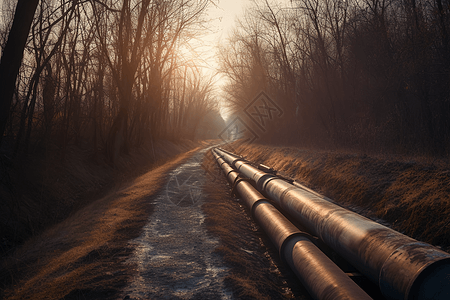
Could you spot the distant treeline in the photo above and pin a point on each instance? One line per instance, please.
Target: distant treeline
(372, 75)
(108, 74)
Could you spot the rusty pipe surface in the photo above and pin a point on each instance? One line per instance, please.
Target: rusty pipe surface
(402, 267)
(318, 274)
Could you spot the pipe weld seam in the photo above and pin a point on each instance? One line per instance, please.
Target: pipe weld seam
(300, 234)
(262, 182)
(236, 182)
(228, 173)
(256, 204)
(233, 164)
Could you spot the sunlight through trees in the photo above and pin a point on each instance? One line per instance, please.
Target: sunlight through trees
(107, 73)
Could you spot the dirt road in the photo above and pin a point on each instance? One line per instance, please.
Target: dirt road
(173, 233)
(174, 254)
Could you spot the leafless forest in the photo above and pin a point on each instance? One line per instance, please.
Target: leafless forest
(91, 94)
(369, 75)
(108, 74)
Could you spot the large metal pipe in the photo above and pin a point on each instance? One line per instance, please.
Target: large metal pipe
(320, 276)
(402, 267)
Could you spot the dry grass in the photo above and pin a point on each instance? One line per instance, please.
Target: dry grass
(412, 195)
(43, 189)
(255, 271)
(82, 257)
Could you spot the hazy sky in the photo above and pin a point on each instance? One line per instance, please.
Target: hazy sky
(204, 48)
(222, 20)
(226, 13)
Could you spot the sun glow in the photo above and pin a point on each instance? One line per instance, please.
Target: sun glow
(201, 51)
(219, 21)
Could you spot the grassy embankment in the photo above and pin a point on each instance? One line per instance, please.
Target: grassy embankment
(84, 256)
(412, 194)
(42, 189)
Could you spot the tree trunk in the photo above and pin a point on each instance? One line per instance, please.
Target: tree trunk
(12, 56)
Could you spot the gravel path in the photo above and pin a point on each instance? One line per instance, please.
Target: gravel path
(174, 253)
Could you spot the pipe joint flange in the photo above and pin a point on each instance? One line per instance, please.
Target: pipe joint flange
(236, 181)
(233, 164)
(228, 173)
(255, 205)
(262, 182)
(301, 235)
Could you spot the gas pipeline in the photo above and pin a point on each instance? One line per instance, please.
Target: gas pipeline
(318, 274)
(402, 267)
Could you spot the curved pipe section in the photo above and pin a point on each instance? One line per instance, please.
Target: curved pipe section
(403, 268)
(322, 278)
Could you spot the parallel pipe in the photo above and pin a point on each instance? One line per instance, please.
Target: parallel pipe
(402, 267)
(320, 276)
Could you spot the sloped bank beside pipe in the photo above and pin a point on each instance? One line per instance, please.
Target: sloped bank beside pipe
(320, 276)
(402, 267)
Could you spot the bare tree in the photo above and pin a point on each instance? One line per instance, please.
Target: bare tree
(12, 56)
